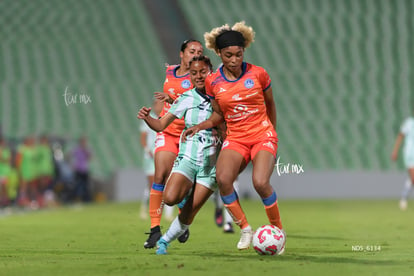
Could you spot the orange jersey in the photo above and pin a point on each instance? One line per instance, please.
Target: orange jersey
(242, 102)
(174, 86)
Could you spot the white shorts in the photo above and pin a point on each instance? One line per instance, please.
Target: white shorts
(205, 176)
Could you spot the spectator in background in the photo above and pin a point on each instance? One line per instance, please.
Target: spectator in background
(26, 165)
(13, 182)
(80, 159)
(46, 169)
(406, 134)
(5, 169)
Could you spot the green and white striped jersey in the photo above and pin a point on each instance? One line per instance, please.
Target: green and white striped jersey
(202, 148)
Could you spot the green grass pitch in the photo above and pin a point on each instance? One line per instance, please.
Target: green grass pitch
(324, 237)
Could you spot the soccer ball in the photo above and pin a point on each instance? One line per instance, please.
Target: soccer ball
(269, 240)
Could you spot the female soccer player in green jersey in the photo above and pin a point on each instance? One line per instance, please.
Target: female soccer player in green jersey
(196, 159)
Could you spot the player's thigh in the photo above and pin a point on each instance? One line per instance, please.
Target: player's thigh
(178, 186)
(164, 161)
(228, 166)
(263, 166)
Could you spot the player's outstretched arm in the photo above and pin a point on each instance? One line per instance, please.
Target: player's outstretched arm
(155, 124)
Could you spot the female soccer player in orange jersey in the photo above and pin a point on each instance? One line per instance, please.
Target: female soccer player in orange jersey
(177, 81)
(242, 96)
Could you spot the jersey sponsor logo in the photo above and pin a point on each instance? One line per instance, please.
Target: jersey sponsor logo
(249, 83)
(236, 97)
(240, 108)
(185, 84)
(241, 111)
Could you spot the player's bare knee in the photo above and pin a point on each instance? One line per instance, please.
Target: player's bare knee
(262, 187)
(170, 200)
(224, 182)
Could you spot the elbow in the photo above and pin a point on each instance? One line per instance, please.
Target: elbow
(158, 129)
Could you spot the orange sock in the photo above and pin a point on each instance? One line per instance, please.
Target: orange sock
(237, 214)
(156, 204)
(273, 214)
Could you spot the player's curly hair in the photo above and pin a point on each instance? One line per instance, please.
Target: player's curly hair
(247, 32)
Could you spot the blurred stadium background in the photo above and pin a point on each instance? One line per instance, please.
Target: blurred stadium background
(341, 71)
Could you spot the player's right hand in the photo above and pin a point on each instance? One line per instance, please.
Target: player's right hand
(143, 112)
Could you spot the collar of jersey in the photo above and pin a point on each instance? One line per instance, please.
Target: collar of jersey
(175, 72)
(244, 66)
(204, 96)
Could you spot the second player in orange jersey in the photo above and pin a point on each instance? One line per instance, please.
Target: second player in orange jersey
(177, 81)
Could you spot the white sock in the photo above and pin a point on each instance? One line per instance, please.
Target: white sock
(407, 189)
(176, 229)
(168, 210)
(227, 217)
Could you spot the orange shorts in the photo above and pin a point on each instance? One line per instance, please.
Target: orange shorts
(249, 151)
(166, 142)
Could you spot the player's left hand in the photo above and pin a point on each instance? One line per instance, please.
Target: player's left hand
(163, 97)
(189, 132)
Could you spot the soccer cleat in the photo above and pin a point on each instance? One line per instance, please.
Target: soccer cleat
(245, 239)
(184, 237)
(154, 236)
(228, 228)
(162, 246)
(403, 204)
(218, 217)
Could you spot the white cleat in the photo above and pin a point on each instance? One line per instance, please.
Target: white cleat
(245, 239)
(403, 204)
